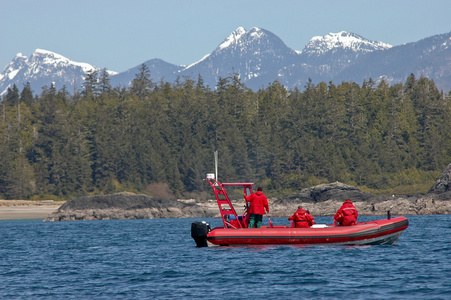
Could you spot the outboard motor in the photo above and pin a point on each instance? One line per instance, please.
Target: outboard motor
(199, 231)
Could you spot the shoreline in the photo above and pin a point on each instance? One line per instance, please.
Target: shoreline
(42, 210)
(27, 210)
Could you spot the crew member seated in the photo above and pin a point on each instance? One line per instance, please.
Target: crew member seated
(347, 214)
(302, 218)
(231, 220)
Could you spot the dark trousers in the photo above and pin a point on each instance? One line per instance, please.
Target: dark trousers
(255, 219)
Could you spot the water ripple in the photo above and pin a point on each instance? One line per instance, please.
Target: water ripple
(157, 259)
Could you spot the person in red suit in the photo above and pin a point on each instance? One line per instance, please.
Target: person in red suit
(347, 214)
(259, 203)
(302, 218)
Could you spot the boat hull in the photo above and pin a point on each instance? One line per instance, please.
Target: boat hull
(379, 232)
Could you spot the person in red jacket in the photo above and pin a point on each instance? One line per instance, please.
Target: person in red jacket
(347, 214)
(259, 203)
(302, 218)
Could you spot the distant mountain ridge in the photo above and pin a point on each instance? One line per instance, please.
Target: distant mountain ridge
(342, 40)
(429, 57)
(43, 68)
(338, 50)
(260, 58)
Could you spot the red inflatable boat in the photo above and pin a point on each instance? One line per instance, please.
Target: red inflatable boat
(235, 231)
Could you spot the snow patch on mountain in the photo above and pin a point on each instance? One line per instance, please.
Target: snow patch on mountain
(232, 38)
(256, 32)
(12, 74)
(197, 62)
(43, 57)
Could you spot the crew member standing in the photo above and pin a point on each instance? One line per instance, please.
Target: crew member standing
(302, 218)
(259, 203)
(347, 214)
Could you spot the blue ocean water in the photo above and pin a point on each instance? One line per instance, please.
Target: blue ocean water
(157, 259)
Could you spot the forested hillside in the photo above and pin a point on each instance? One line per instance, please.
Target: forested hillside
(108, 139)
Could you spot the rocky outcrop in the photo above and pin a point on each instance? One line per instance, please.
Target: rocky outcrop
(402, 205)
(320, 200)
(326, 199)
(324, 192)
(443, 184)
(126, 206)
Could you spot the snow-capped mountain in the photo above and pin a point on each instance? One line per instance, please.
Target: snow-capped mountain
(43, 68)
(429, 57)
(256, 55)
(342, 41)
(335, 51)
(259, 57)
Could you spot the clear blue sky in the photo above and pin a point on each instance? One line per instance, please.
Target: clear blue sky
(119, 35)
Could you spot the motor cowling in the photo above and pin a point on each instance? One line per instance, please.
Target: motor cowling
(199, 231)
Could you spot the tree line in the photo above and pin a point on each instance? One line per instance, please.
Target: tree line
(105, 139)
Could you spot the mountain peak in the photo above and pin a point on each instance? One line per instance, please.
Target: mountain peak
(256, 38)
(342, 40)
(232, 38)
(51, 58)
(256, 53)
(42, 68)
(20, 55)
(45, 52)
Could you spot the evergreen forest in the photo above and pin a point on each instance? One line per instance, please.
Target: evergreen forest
(103, 139)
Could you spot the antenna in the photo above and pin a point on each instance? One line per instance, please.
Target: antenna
(75, 85)
(216, 164)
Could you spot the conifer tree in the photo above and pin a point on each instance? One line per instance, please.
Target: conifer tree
(91, 85)
(12, 97)
(104, 82)
(142, 83)
(26, 96)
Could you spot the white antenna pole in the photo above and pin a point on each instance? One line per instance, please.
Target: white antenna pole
(216, 164)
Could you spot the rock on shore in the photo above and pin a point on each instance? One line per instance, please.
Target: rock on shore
(443, 184)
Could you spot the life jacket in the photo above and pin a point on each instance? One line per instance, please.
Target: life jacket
(302, 218)
(347, 214)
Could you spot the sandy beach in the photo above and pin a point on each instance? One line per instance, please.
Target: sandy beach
(23, 209)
